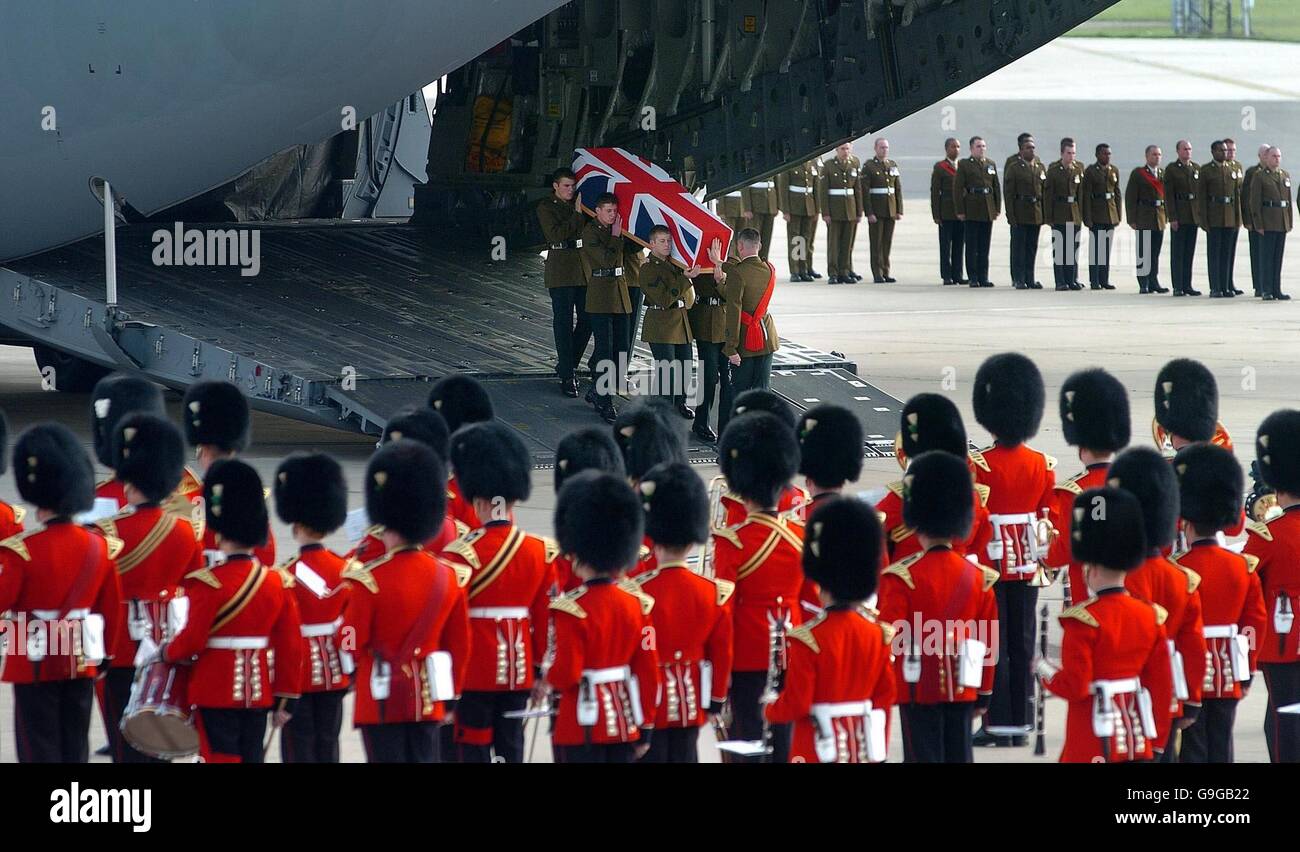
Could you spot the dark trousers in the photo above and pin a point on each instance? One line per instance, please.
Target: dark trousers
(1221, 246)
(1149, 243)
(755, 372)
(936, 733)
(401, 742)
(674, 745)
(715, 377)
(1271, 246)
(482, 728)
(1024, 253)
(231, 736)
(594, 753)
(1065, 253)
(1282, 730)
(608, 360)
(1252, 237)
(747, 715)
(570, 326)
(952, 235)
(1099, 247)
(52, 720)
(1209, 739)
(115, 695)
(633, 321)
(1182, 251)
(312, 734)
(976, 237)
(672, 374)
(1010, 709)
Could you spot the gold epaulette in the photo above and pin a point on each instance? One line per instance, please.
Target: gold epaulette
(896, 488)
(115, 545)
(804, 634)
(634, 589)
(900, 532)
(463, 574)
(287, 577)
(1252, 562)
(461, 526)
(552, 549)
(643, 553)
(1051, 461)
(728, 533)
(991, 577)
(977, 458)
(887, 631)
(376, 530)
(20, 512)
(1162, 614)
(641, 579)
(568, 603)
(358, 573)
(902, 569)
(1259, 529)
(204, 575)
(103, 482)
(983, 491)
(725, 590)
(464, 548)
(108, 526)
(1071, 486)
(15, 543)
(1079, 612)
(1193, 579)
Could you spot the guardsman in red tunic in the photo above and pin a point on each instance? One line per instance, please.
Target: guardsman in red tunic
(1094, 418)
(460, 399)
(218, 425)
(1008, 402)
(311, 496)
(114, 397)
(944, 614)
(1145, 474)
(583, 449)
(691, 620)
(59, 585)
(427, 426)
(242, 638)
(759, 454)
(509, 591)
(1232, 600)
(1276, 544)
(158, 550)
(930, 421)
(1114, 656)
(604, 669)
(731, 507)
(11, 517)
(839, 683)
(408, 621)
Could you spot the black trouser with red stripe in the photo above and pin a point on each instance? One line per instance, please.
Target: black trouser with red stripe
(937, 733)
(482, 728)
(1282, 730)
(1209, 738)
(52, 720)
(312, 734)
(115, 695)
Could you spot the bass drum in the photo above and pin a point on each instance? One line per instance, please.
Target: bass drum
(157, 719)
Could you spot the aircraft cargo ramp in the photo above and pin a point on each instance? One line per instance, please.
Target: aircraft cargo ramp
(346, 323)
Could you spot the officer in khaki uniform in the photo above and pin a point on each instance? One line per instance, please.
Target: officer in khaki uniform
(1252, 235)
(709, 328)
(943, 211)
(1103, 209)
(882, 191)
(762, 202)
(796, 195)
(1270, 211)
(1063, 210)
(731, 208)
(979, 201)
(669, 295)
(1220, 216)
(1144, 205)
(562, 223)
(840, 198)
(1239, 173)
(746, 284)
(1023, 185)
(609, 305)
(1183, 210)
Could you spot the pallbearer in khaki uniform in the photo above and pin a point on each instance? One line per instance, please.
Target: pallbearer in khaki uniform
(1144, 204)
(796, 192)
(608, 302)
(1023, 184)
(709, 327)
(669, 294)
(562, 223)
(1238, 174)
(840, 198)
(751, 333)
(1103, 209)
(978, 199)
(882, 192)
(1063, 210)
(1220, 215)
(943, 211)
(761, 199)
(1252, 235)
(1183, 208)
(1270, 212)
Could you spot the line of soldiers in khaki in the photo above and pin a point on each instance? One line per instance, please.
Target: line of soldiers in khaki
(791, 614)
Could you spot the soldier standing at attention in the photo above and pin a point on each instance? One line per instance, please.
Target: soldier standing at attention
(1182, 196)
(1220, 211)
(1270, 213)
(669, 294)
(1144, 203)
(796, 192)
(762, 200)
(840, 199)
(1024, 185)
(1238, 176)
(978, 200)
(562, 224)
(1062, 207)
(883, 193)
(1102, 211)
(943, 209)
(608, 302)
(708, 321)
(1252, 235)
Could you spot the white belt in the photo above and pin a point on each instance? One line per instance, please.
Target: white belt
(310, 631)
(53, 614)
(1009, 520)
(733, 195)
(762, 184)
(1220, 631)
(881, 190)
(841, 709)
(1122, 686)
(614, 674)
(840, 191)
(498, 613)
(238, 643)
(803, 189)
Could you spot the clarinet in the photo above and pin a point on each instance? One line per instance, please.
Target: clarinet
(1040, 710)
(775, 645)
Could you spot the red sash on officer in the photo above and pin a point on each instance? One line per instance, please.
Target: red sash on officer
(755, 335)
(948, 167)
(1157, 185)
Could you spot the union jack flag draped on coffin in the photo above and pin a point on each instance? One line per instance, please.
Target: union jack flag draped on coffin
(648, 196)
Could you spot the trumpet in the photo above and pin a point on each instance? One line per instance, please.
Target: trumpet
(717, 519)
(1165, 444)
